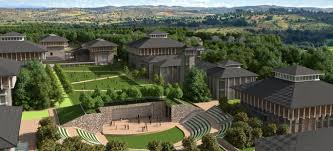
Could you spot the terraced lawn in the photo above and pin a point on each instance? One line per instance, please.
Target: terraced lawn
(115, 83)
(81, 76)
(93, 68)
(66, 114)
(173, 135)
(35, 115)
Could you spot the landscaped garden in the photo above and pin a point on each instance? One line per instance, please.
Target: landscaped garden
(173, 135)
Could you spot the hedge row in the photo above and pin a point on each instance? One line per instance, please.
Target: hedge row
(63, 79)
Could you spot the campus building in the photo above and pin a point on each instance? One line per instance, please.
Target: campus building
(10, 119)
(15, 46)
(55, 46)
(167, 58)
(99, 51)
(319, 140)
(295, 95)
(9, 69)
(224, 75)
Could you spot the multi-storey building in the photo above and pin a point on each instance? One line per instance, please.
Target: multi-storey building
(226, 74)
(55, 46)
(167, 58)
(9, 69)
(15, 46)
(295, 95)
(99, 51)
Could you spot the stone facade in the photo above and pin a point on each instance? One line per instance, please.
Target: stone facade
(153, 109)
(91, 122)
(180, 111)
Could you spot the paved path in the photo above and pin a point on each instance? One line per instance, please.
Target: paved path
(28, 133)
(110, 77)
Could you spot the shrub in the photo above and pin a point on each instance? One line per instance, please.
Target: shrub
(47, 133)
(282, 129)
(86, 101)
(270, 129)
(112, 94)
(115, 145)
(167, 146)
(255, 122)
(154, 146)
(241, 116)
(190, 144)
(257, 133)
(134, 92)
(209, 142)
(237, 137)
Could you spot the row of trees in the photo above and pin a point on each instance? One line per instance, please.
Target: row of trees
(36, 88)
(98, 99)
(63, 79)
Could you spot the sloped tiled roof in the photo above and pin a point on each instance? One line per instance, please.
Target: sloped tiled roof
(9, 67)
(53, 38)
(158, 32)
(20, 46)
(12, 34)
(228, 63)
(156, 43)
(165, 60)
(318, 140)
(297, 70)
(230, 72)
(290, 94)
(99, 43)
(10, 119)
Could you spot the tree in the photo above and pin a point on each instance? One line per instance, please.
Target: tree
(98, 102)
(134, 92)
(282, 129)
(270, 129)
(154, 146)
(167, 146)
(63, 79)
(125, 70)
(257, 133)
(97, 93)
(143, 72)
(122, 95)
(190, 144)
(47, 145)
(195, 87)
(237, 137)
(241, 116)
(255, 122)
(115, 145)
(46, 133)
(209, 143)
(112, 94)
(158, 79)
(86, 101)
(175, 92)
(135, 74)
(56, 92)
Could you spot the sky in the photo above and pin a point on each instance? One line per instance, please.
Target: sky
(193, 3)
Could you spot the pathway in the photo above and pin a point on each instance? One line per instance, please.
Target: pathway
(110, 77)
(28, 131)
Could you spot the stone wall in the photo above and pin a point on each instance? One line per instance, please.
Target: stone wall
(90, 122)
(154, 109)
(180, 111)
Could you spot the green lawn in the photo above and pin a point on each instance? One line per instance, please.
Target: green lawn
(235, 101)
(35, 115)
(173, 135)
(248, 149)
(330, 48)
(114, 67)
(115, 83)
(81, 76)
(66, 114)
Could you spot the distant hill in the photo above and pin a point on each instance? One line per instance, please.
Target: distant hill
(112, 14)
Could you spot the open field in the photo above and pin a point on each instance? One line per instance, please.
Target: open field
(173, 135)
(81, 76)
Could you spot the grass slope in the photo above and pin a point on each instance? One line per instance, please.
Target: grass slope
(173, 135)
(35, 115)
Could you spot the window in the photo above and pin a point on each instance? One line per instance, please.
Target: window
(3, 100)
(51, 53)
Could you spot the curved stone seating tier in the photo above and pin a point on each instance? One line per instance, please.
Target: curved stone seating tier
(225, 120)
(198, 126)
(88, 137)
(63, 133)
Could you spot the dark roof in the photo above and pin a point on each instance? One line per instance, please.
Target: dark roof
(319, 140)
(228, 63)
(99, 43)
(9, 67)
(230, 72)
(158, 32)
(10, 119)
(165, 60)
(80, 51)
(204, 65)
(156, 43)
(297, 70)
(53, 38)
(20, 46)
(290, 94)
(12, 34)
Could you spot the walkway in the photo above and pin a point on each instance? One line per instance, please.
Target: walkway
(110, 77)
(207, 105)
